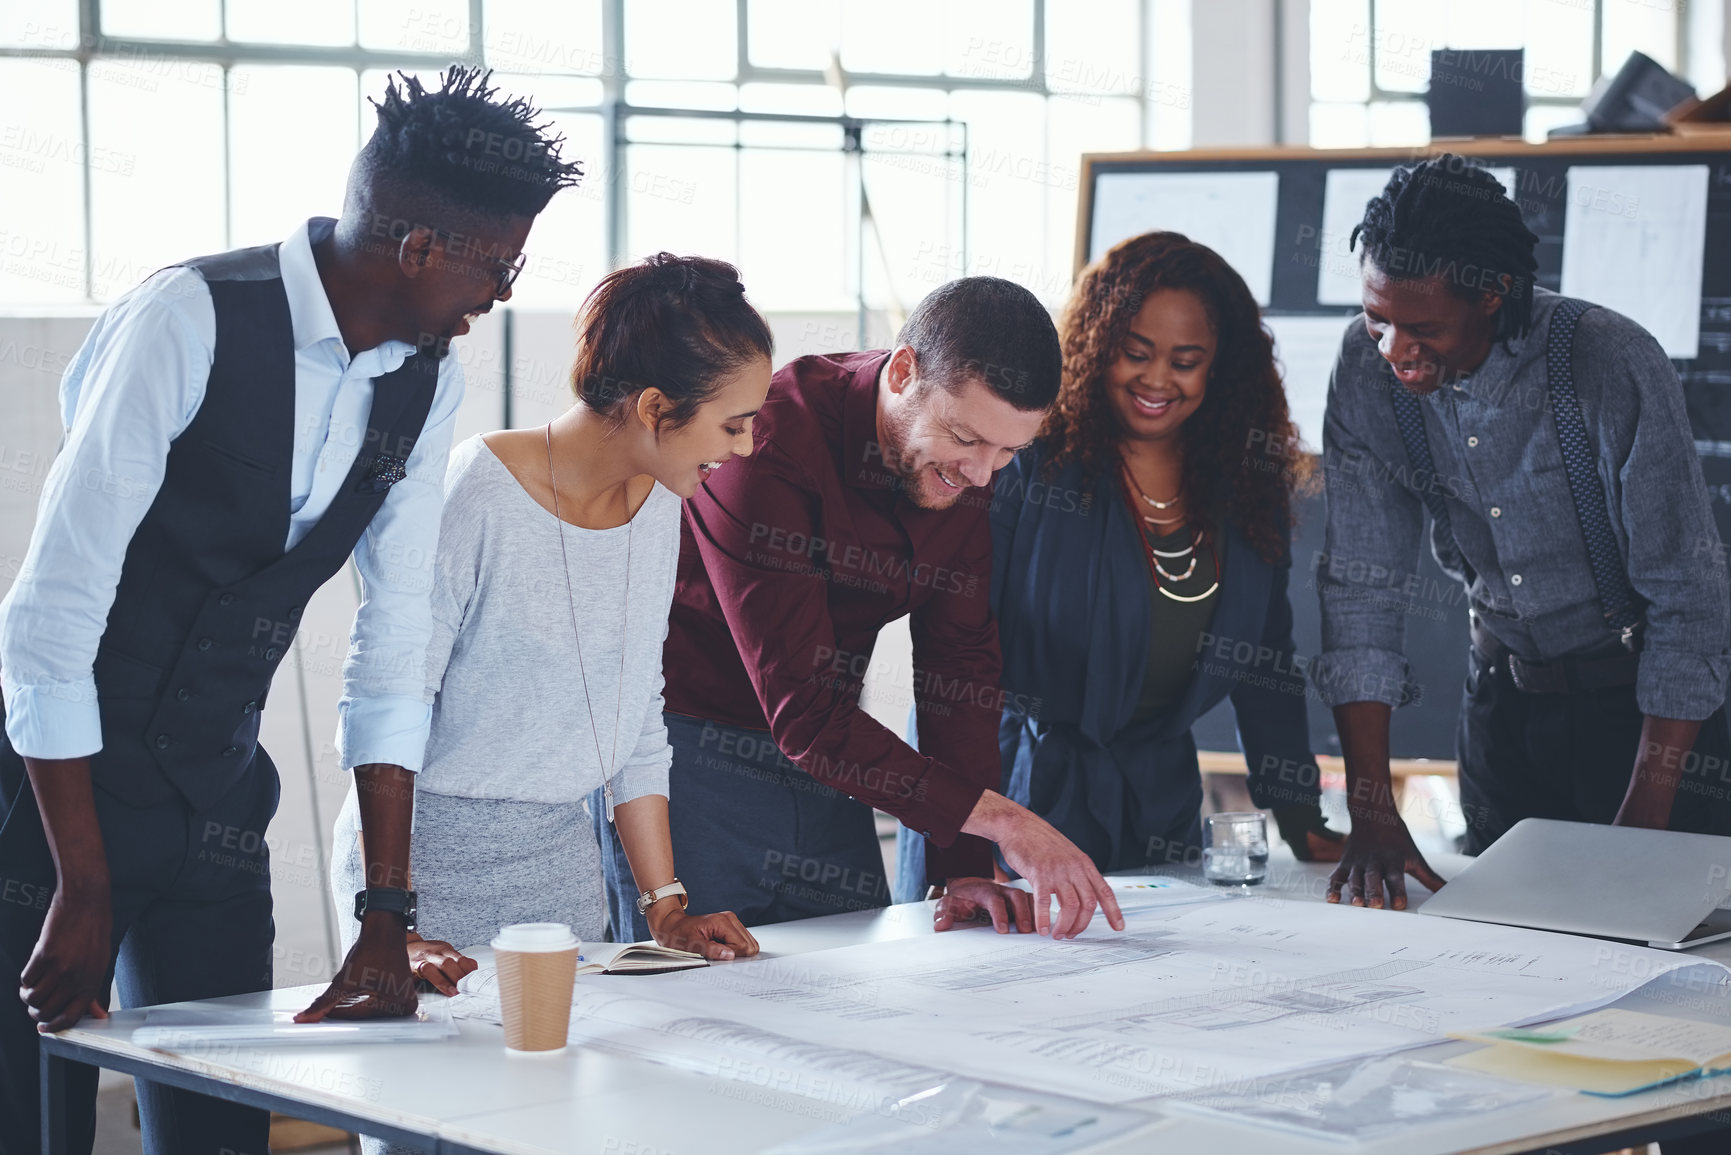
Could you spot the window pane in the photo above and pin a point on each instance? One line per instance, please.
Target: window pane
(682, 200)
(292, 137)
(303, 22)
(916, 244)
(1632, 26)
(766, 134)
(913, 241)
(440, 26)
(1093, 47)
(680, 130)
(42, 24)
(682, 39)
(1340, 49)
(1559, 46)
(898, 103)
(799, 99)
(1075, 127)
(182, 20)
(795, 194)
(1169, 88)
(550, 92)
(567, 249)
(169, 206)
(903, 36)
(1501, 23)
(989, 38)
(1399, 122)
(1339, 126)
(793, 33)
(42, 185)
(1705, 36)
(1009, 180)
(1406, 32)
(543, 35)
(1556, 36)
(681, 94)
(1541, 118)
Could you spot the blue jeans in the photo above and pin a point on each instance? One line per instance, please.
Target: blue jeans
(752, 833)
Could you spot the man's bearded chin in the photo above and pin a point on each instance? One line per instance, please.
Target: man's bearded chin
(898, 462)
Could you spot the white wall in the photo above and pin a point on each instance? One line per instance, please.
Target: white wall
(1232, 53)
(1242, 94)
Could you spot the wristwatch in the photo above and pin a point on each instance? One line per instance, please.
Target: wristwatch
(650, 897)
(392, 898)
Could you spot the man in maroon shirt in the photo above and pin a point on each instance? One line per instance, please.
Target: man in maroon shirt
(862, 501)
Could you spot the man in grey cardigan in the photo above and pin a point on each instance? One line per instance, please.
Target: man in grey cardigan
(1578, 523)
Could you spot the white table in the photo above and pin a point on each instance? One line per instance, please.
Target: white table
(468, 1095)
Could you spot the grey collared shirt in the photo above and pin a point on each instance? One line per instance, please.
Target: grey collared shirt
(1500, 470)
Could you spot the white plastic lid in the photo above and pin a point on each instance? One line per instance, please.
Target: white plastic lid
(536, 936)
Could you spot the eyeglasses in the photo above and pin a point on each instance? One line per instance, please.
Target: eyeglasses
(506, 272)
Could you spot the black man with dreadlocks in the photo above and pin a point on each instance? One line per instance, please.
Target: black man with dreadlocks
(1546, 439)
(236, 427)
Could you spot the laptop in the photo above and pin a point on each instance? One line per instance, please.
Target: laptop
(1655, 887)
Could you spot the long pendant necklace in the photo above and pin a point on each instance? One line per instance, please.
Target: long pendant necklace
(1155, 570)
(1175, 577)
(571, 602)
(1186, 551)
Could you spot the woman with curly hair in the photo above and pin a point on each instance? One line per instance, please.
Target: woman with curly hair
(1141, 551)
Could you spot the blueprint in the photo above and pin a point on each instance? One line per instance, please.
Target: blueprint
(1365, 1099)
(1192, 996)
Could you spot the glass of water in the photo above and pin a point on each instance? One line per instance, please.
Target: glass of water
(1235, 848)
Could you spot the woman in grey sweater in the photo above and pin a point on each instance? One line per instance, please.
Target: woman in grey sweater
(552, 586)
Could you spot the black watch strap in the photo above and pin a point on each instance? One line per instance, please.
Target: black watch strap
(392, 898)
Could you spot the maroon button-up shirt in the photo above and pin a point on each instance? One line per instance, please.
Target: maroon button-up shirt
(790, 562)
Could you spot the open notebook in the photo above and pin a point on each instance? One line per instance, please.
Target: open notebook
(642, 958)
(1610, 1052)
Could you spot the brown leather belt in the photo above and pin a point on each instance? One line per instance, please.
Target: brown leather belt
(1561, 675)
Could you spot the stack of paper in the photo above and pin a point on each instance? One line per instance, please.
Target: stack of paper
(1612, 1052)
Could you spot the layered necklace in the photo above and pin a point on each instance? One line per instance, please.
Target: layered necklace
(1140, 503)
(571, 601)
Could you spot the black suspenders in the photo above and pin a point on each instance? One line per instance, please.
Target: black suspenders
(1617, 599)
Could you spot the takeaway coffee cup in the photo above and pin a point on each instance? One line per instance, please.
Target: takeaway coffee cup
(537, 964)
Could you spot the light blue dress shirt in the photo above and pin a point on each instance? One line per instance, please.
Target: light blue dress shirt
(135, 386)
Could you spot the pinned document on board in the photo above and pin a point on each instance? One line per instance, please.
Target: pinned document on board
(1232, 213)
(1634, 240)
(1307, 348)
(1345, 191)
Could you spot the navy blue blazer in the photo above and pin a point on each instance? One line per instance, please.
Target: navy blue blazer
(1071, 595)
